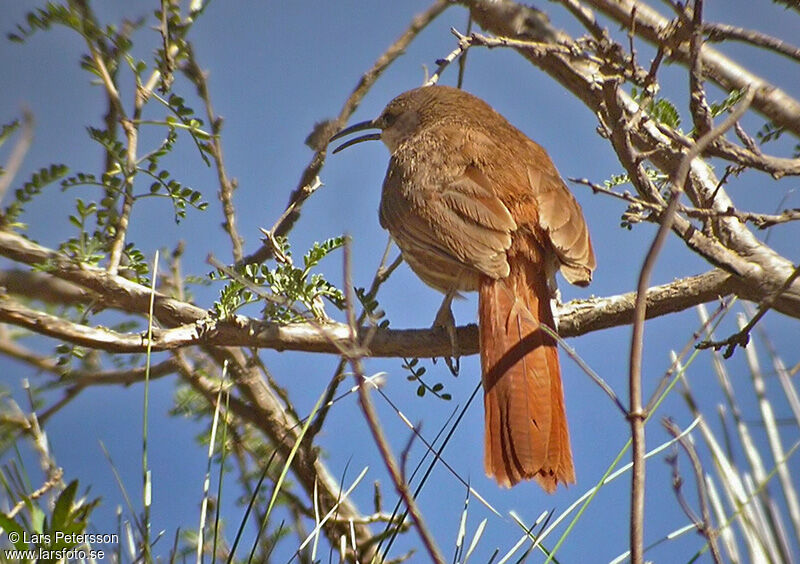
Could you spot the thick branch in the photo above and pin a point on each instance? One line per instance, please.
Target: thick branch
(112, 290)
(774, 103)
(575, 318)
(41, 286)
(776, 166)
(734, 248)
(718, 32)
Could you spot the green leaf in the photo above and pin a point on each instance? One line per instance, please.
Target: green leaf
(63, 506)
(730, 100)
(769, 132)
(7, 130)
(9, 526)
(663, 111)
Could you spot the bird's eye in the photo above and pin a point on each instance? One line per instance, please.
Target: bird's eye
(389, 118)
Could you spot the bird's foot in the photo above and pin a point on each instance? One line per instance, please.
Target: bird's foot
(445, 320)
(555, 306)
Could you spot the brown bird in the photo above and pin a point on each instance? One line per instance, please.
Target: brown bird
(474, 205)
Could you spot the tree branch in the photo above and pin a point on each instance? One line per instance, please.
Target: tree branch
(309, 180)
(734, 247)
(774, 103)
(575, 318)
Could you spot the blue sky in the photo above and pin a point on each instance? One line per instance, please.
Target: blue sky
(276, 69)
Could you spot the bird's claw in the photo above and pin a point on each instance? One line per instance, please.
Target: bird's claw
(445, 320)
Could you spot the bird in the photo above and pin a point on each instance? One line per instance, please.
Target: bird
(475, 205)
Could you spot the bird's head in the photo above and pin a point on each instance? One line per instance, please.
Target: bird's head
(406, 115)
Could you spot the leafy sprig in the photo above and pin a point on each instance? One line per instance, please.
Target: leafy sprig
(416, 373)
(733, 97)
(7, 130)
(294, 293)
(659, 109)
(33, 187)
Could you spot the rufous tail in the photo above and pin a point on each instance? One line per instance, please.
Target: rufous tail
(526, 435)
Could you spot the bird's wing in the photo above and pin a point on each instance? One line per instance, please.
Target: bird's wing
(560, 216)
(464, 204)
(455, 216)
(527, 181)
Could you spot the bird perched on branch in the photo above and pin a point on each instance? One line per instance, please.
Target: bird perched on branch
(474, 205)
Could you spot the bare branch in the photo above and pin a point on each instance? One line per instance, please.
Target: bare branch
(587, 19)
(703, 524)
(399, 479)
(778, 167)
(308, 179)
(83, 378)
(698, 106)
(227, 186)
(742, 337)
(720, 32)
(760, 220)
(41, 286)
(17, 153)
(733, 247)
(114, 291)
(575, 318)
(260, 407)
(463, 45)
(774, 103)
(636, 414)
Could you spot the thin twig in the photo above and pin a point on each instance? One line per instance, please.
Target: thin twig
(675, 366)
(391, 464)
(775, 103)
(280, 300)
(132, 134)
(704, 524)
(636, 414)
(533, 48)
(698, 107)
(631, 38)
(760, 220)
(84, 379)
(746, 140)
(596, 378)
(720, 32)
(587, 18)
(462, 61)
(309, 177)
(778, 167)
(227, 187)
(17, 153)
(381, 275)
(54, 480)
(742, 337)
(400, 483)
(461, 50)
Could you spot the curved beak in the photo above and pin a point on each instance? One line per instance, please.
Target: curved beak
(361, 126)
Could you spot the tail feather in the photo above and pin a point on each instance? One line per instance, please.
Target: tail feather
(526, 435)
